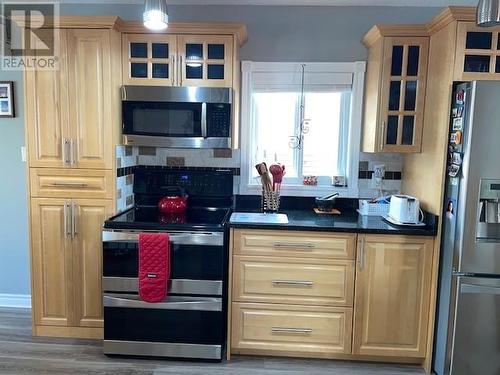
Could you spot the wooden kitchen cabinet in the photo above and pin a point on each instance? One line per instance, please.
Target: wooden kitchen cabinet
(67, 265)
(291, 293)
(303, 331)
(87, 260)
(149, 59)
(395, 91)
(51, 262)
(91, 99)
(392, 295)
(178, 60)
(206, 60)
(477, 52)
(69, 112)
(46, 103)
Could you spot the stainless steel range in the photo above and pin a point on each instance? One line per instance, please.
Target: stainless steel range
(191, 321)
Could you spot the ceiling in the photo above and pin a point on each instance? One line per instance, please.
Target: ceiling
(421, 3)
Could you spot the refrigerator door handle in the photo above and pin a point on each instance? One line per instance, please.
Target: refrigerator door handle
(479, 289)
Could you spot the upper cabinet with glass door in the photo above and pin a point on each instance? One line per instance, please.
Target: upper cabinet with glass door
(178, 60)
(477, 52)
(206, 60)
(149, 59)
(395, 92)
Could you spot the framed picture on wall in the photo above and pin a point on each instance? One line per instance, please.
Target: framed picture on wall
(7, 99)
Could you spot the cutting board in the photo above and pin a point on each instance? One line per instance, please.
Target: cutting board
(259, 218)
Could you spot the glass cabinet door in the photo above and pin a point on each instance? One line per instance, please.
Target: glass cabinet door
(478, 52)
(206, 60)
(149, 59)
(403, 93)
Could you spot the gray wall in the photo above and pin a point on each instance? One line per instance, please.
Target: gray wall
(14, 258)
(275, 34)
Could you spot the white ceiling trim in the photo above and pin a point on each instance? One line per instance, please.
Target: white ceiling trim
(419, 3)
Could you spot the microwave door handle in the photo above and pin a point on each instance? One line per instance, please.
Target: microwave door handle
(204, 120)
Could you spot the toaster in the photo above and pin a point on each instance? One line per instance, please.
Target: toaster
(405, 209)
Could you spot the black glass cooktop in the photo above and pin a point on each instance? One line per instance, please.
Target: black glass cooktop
(150, 218)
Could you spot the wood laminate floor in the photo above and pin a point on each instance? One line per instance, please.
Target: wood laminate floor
(20, 353)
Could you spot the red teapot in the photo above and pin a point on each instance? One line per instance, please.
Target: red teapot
(175, 202)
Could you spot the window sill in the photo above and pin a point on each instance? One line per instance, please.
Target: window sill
(303, 191)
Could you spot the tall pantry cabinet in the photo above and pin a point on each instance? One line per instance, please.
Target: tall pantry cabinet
(72, 127)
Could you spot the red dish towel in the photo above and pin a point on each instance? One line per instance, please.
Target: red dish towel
(154, 266)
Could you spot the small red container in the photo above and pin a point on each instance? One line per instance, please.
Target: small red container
(174, 203)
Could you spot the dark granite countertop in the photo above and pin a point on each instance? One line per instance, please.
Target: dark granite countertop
(304, 218)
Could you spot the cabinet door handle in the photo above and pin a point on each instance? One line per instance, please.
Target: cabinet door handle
(382, 136)
(66, 216)
(298, 246)
(302, 331)
(66, 152)
(70, 184)
(73, 152)
(362, 254)
(293, 282)
(173, 66)
(74, 216)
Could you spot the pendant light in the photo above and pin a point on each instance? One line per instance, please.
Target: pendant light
(488, 13)
(155, 14)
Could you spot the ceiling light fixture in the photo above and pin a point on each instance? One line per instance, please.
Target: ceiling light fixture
(155, 14)
(488, 13)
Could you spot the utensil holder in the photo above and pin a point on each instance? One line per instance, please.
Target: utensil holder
(270, 201)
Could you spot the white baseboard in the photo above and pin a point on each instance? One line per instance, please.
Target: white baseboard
(15, 300)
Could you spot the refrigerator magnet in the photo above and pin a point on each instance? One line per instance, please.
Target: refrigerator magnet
(453, 170)
(458, 123)
(456, 158)
(456, 138)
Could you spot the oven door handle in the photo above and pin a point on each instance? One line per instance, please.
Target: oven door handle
(188, 238)
(180, 303)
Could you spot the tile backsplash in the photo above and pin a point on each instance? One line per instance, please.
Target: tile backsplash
(393, 173)
(128, 157)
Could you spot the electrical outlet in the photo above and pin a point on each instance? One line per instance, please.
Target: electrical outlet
(379, 171)
(377, 177)
(23, 154)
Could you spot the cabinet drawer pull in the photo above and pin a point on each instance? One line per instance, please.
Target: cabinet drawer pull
(300, 331)
(70, 184)
(287, 245)
(293, 282)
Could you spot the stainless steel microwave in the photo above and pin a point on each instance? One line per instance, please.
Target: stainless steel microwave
(183, 117)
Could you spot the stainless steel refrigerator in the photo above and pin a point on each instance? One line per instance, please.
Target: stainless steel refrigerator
(467, 337)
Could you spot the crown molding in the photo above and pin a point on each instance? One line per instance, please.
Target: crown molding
(379, 31)
(239, 30)
(449, 15)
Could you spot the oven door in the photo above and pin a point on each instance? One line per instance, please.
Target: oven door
(184, 327)
(197, 262)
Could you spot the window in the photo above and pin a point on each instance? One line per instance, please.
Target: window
(305, 116)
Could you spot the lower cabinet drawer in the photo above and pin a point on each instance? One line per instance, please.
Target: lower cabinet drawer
(291, 281)
(73, 183)
(290, 330)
